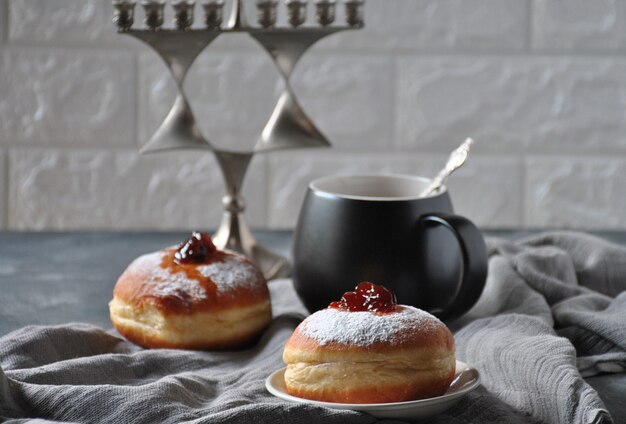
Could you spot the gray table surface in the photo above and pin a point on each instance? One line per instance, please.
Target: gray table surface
(55, 278)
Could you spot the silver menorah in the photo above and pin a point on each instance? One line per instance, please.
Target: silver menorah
(288, 126)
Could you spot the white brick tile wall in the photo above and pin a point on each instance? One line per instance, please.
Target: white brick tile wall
(580, 193)
(439, 24)
(442, 100)
(53, 97)
(540, 85)
(95, 189)
(582, 105)
(487, 191)
(349, 98)
(512, 103)
(579, 24)
(63, 22)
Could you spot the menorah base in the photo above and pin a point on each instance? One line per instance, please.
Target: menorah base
(234, 234)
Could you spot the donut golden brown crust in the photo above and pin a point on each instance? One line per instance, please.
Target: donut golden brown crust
(221, 303)
(369, 357)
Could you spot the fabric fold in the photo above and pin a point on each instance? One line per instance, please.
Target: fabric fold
(552, 312)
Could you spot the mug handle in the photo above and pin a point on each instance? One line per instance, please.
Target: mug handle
(474, 260)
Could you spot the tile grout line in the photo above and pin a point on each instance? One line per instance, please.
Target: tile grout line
(528, 52)
(608, 154)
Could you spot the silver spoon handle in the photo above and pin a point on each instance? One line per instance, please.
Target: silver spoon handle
(455, 161)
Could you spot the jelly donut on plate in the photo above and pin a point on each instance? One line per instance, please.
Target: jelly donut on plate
(365, 348)
(193, 296)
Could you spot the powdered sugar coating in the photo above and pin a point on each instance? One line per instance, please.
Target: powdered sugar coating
(233, 271)
(178, 286)
(366, 328)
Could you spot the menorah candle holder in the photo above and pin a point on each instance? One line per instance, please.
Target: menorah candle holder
(288, 127)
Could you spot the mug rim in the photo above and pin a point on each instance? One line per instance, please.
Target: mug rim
(314, 187)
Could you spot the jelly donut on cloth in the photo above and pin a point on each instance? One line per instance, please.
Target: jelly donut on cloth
(367, 349)
(191, 297)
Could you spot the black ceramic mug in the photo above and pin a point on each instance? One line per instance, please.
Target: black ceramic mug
(378, 228)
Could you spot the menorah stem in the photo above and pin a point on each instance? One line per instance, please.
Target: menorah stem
(237, 18)
(233, 232)
(234, 167)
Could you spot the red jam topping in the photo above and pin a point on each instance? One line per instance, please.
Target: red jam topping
(195, 250)
(367, 297)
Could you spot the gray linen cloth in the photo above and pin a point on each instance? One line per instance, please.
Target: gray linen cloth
(553, 311)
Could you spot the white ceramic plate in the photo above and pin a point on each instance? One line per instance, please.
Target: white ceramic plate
(465, 380)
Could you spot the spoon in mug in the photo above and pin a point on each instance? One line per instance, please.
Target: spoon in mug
(455, 161)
